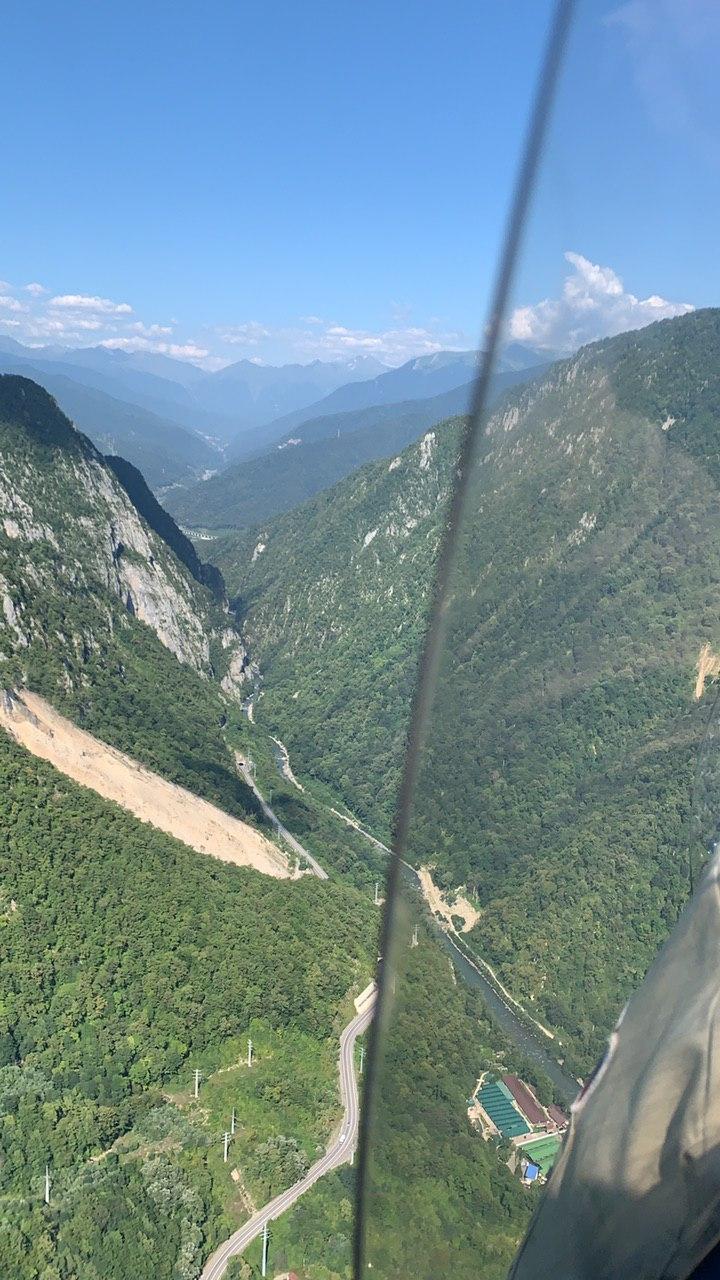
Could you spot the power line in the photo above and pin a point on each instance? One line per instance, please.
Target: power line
(266, 1239)
(435, 633)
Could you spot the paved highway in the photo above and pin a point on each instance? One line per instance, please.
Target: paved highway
(315, 867)
(340, 1150)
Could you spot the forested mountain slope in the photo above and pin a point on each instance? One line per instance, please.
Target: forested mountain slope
(316, 455)
(422, 378)
(127, 961)
(323, 452)
(333, 601)
(559, 769)
(99, 614)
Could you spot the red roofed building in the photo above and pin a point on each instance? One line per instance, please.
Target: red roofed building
(526, 1100)
(557, 1116)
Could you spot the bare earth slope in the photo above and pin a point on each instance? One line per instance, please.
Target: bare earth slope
(32, 722)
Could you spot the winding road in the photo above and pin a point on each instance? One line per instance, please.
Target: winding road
(245, 769)
(341, 1150)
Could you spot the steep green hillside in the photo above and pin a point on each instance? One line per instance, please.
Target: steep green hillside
(319, 454)
(128, 960)
(166, 452)
(333, 602)
(559, 768)
(144, 500)
(442, 1202)
(98, 613)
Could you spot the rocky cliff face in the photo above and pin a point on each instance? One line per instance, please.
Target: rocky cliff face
(77, 559)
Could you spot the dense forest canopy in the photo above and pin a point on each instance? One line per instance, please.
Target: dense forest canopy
(127, 959)
(559, 769)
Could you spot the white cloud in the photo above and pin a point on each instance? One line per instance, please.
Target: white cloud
(394, 346)
(83, 302)
(180, 350)
(151, 330)
(594, 304)
(314, 338)
(10, 304)
(80, 319)
(248, 334)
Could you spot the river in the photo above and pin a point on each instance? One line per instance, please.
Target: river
(514, 1027)
(522, 1035)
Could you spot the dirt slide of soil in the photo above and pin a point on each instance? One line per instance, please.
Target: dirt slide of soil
(708, 668)
(439, 904)
(32, 722)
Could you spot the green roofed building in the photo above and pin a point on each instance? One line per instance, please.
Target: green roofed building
(543, 1152)
(497, 1101)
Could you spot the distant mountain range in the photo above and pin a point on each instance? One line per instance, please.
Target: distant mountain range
(164, 451)
(253, 394)
(576, 687)
(178, 423)
(417, 379)
(223, 404)
(322, 451)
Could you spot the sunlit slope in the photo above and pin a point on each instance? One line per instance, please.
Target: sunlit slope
(566, 728)
(333, 598)
(128, 960)
(315, 457)
(34, 724)
(103, 605)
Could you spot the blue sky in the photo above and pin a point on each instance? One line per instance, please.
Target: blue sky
(282, 181)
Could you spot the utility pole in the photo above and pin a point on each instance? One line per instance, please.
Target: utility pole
(232, 1122)
(414, 937)
(377, 894)
(266, 1237)
(197, 1082)
(226, 1140)
(250, 1047)
(47, 1184)
(362, 1059)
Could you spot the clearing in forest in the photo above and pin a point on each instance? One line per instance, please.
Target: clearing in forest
(708, 668)
(32, 722)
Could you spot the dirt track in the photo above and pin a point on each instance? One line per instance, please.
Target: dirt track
(32, 722)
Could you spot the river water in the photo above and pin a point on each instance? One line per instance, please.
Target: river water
(522, 1035)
